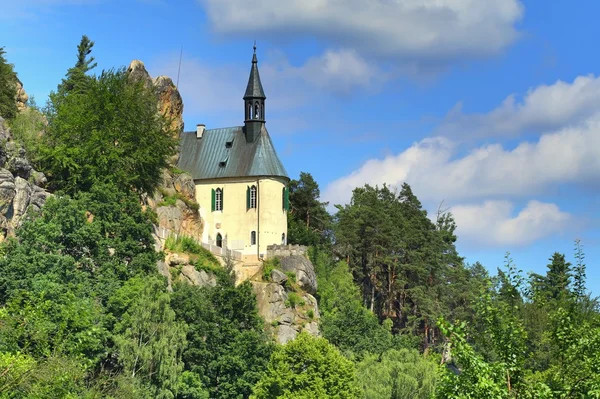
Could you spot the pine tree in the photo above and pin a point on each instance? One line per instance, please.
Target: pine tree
(558, 276)
(579, 271)
(76, 80)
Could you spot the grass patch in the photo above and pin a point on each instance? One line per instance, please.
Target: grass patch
(189, 245)
(268, 266)
(291, 276)
(293, 300)
(171, 200)
(176, 171)
(310, 313)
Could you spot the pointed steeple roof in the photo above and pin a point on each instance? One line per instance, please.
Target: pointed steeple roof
(254, 89)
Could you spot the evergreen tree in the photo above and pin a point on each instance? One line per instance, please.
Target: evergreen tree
(76, 80)
(579, 271)
(309, 223)
(8, 88)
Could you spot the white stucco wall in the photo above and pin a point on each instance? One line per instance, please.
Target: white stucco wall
(235, 222)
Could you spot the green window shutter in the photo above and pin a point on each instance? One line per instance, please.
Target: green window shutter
(287, 199)
(283, 199)
(222, 199)
(247, 198)
(212, 199)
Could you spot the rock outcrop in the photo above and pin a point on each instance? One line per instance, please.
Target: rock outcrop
(286, 312)
(175, 205)
(21, 96)
(175, 199)
(170, 102)
(21, 186)
(180, 267)
(286, 301)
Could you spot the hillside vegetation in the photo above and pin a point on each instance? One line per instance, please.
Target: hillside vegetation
(84, 312)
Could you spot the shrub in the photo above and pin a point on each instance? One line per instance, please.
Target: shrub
(268, 266)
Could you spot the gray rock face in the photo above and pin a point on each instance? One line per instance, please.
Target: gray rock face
(199, 278)
(21, 187)
(278, 276)
(184, 184)
(286, 321)
(304, 270)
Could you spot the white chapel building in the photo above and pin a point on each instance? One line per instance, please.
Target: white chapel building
(241, 185)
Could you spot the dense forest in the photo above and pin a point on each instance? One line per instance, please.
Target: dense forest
(84, 312)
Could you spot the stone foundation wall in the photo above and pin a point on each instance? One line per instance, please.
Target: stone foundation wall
(281, 251)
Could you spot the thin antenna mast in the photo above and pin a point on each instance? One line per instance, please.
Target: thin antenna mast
(179, 68)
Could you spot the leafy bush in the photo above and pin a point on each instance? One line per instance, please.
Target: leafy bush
(293, 300)
(27, 128)
(106, 131)
(268, 266)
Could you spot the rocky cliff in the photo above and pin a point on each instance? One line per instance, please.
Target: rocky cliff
(285, 300)
(175, 200)
(21, 186)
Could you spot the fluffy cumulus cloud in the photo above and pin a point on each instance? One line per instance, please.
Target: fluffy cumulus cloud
(571, 155)
(494, 223)
(543, 108)
(407, 29)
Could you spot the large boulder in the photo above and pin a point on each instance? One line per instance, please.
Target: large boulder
(304, 270)
(170, 103)
(284, 319)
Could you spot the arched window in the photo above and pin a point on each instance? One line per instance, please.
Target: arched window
(283, 239)
(218, 199)
(249, 111)
(257, 111)
(219, 240)
(253, 197)
(253, 238)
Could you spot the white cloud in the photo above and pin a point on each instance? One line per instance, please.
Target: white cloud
(546, 107)
(420, 30)
(494, 224)
(571, 155)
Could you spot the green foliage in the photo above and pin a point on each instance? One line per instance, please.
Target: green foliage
(267, 268)
(344, 320)
(183, 243)
(407, 266)
(293, 300)
(397, 374)
(27, 128)
(308, 367)
(148, 338)
(108, 132)
(227, 348)
(8, 88)
(309, 223)
(76, 80)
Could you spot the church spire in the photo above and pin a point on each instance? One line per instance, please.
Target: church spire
(254, 102)
(254, 90)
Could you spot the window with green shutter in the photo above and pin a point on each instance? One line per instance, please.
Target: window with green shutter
(212, 200)
(247, 197)
(285, 199)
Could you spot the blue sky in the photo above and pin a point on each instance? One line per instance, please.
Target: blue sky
(491, 107)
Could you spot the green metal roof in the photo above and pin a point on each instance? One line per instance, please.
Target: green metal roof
(254, 88)
(211, 157)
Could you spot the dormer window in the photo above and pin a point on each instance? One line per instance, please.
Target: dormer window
(229, 144)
